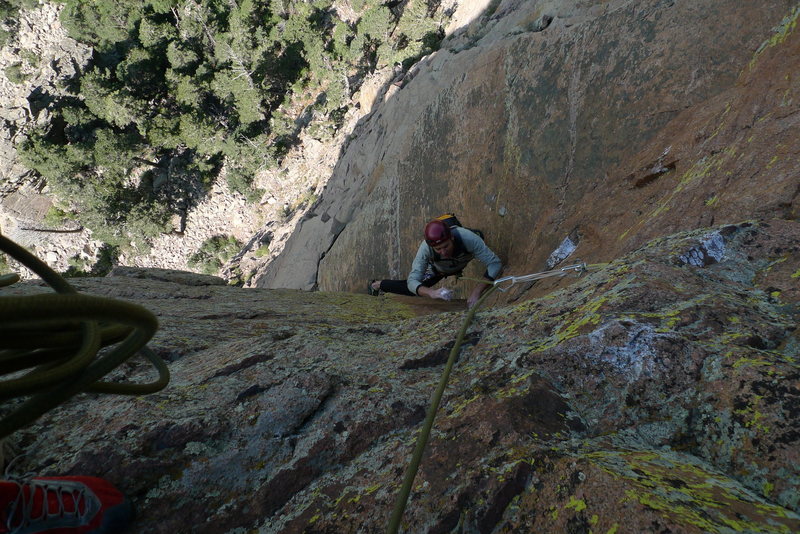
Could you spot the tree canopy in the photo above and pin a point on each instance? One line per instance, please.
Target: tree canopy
(178, 90)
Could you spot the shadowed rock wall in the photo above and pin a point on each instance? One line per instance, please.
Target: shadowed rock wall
(591, 127)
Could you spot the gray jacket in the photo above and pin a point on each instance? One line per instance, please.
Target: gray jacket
(467, 246)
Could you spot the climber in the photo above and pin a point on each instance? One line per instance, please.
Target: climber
(446, 251)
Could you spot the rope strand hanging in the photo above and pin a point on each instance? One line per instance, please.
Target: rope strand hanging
(416, 457)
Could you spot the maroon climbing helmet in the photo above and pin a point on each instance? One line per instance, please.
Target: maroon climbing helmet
(437, 232)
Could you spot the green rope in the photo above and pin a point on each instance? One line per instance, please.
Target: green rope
(416, 458)
(50, 344)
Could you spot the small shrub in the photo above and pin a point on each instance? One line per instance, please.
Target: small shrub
(14, 73)
(285, 213)
(107, 257)
(56, 217)
(306, 199)
(78, 266)
(213, 253)
(31, 57)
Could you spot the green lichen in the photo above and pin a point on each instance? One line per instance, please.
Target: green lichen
(772, 162)
(576, 504)
(687, 493)
(752, 416)
(356, 309)
(699, 171)
(751, 362)
(782, 32)
(459, 408)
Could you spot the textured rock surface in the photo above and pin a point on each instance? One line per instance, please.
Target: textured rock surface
(658, 393)
(614, 122)
(45, 56)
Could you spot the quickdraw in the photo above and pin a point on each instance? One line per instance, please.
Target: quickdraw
(578, 268)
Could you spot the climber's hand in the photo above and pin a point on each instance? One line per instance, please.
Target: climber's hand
(442, 293)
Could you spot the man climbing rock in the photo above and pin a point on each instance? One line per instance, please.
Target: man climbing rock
(446, 251)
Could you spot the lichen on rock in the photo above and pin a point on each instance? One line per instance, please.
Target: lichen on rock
(648, 394)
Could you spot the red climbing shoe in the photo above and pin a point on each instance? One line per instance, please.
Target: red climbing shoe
(62, 505)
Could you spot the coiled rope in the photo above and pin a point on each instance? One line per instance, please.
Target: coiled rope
(502, 284)
(50, 344)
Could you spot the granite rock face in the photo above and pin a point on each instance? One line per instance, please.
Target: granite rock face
(613, 123)
(657, 393)
(660, 392)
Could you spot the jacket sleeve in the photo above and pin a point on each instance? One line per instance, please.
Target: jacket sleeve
(478, 248)
(418, 268)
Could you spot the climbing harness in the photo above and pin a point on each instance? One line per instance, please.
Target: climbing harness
(50, 343)
(577, 268)
(416, 457)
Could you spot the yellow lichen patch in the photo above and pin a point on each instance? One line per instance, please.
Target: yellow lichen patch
(355, 309)
(722, 122)
(701, 169)
(750, 362)
(576, 504)
(458, 408)
(772, 161)
(752, 416)
(787, 26)
(688, 494)
(587, 315)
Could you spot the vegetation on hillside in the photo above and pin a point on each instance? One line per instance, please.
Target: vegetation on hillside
(179, 91)
(9, 13)
(213, 253)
